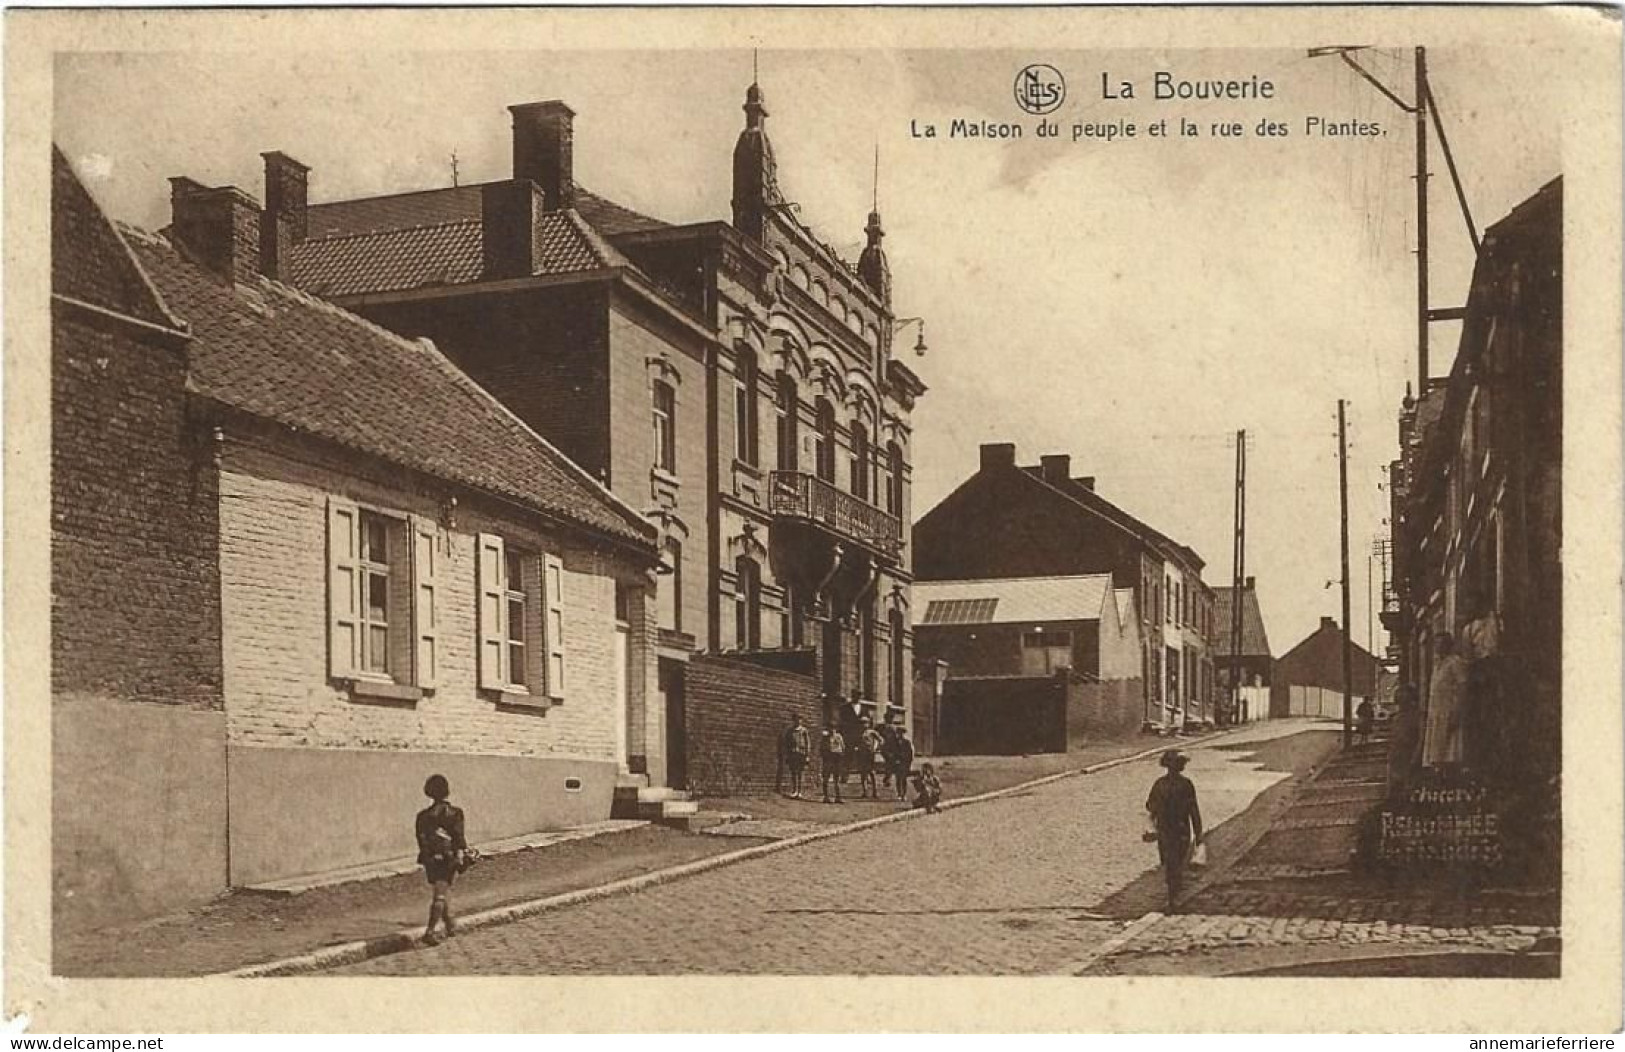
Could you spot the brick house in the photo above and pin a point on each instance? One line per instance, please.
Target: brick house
(1250, 668)
(1008, 521)
(733, 381)
(356, 568)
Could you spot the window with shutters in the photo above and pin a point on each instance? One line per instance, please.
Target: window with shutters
(521, 655)
(383, 590)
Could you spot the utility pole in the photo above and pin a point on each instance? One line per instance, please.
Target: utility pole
(1238, 571)
(1421, 110)
(1424, 107)
(1343, 486)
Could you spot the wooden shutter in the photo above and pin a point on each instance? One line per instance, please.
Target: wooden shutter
(425, 603)
(492, 586)
(553, 601)
(343, 588)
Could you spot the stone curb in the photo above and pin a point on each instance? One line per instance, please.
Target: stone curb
(411, 938)
(1116, 942)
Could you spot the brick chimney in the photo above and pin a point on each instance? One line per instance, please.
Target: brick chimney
(1251, 582)
(1329, 622)
(998, 455)
(508, 214)
(219, 227)
(1087, 482)
(284, 222)
(1055, 468)
(544, 151)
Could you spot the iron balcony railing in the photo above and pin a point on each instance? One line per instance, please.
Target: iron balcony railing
(799, 495)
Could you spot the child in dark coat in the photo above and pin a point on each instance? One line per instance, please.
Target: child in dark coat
(441, 845)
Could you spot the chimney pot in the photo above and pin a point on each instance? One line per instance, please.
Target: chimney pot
(1056, 468)
(544, 151)
(998, 455)
(219, 227)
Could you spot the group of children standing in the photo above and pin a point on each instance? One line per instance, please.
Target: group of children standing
(839, 759)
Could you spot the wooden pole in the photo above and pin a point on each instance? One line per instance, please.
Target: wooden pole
(1343, 485)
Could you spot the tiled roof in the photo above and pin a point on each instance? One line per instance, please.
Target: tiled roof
(446, 253)
(313, 367)
(390, 260)
(1020, 599)
(610, 218)
(89, 261)
(365, 215)
(1254, 640)
(451, 204)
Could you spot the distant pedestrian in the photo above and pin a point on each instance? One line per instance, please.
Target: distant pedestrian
(795, 745)
(441, 846)
(1178, 820)
(1364, 717)
(901, 761)
(834, 757)
(928, 789)
(869, 742)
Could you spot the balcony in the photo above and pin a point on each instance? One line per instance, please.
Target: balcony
(798, 495)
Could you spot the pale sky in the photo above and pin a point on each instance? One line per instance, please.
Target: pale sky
(1131, 303)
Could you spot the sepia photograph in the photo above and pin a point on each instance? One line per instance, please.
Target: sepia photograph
(752, 504)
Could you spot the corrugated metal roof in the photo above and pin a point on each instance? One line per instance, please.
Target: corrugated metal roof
(1019, 599)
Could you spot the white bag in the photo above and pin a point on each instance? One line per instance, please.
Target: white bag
(1198, 854)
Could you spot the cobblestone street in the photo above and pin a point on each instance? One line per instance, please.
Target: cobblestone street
(1031, 883)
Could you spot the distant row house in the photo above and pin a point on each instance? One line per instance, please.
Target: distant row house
(1008, 528)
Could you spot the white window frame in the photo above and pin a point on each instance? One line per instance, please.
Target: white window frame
(540, 641)
(410, 568)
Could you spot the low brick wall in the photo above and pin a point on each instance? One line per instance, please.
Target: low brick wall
(735, 709)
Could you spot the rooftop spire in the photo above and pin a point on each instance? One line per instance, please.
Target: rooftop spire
(872, 265)
(755, 185)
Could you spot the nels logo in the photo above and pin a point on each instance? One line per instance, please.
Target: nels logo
(1040, 89)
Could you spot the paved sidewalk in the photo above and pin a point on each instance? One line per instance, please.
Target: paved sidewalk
(1293, 904)
(245, 928)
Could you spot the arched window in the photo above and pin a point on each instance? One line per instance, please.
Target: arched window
(894, 479)
(825, 466)
(820, 292)
(788, 407)
(798, 276)
(665, 426)
(745, 406)
(837, 307)
(860, 461)
(748, 592)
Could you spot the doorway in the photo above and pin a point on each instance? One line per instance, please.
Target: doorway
(671, 691)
